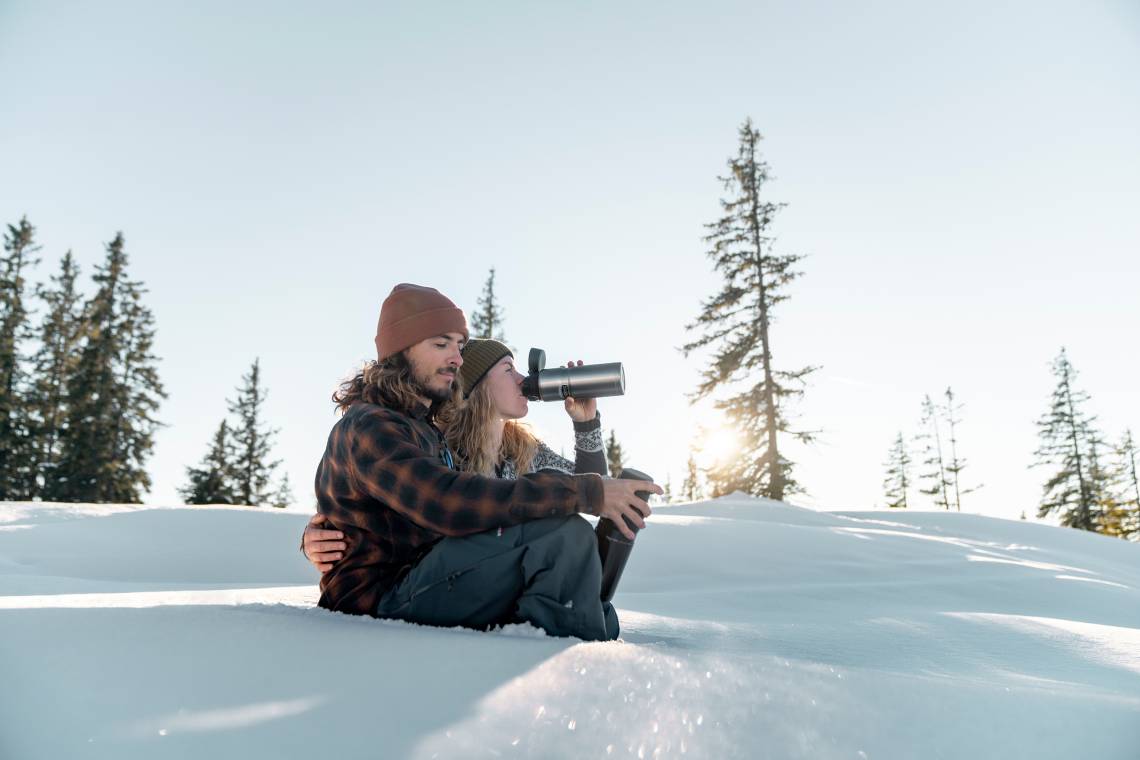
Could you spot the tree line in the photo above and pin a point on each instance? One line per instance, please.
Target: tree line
(80, 389)
(937, 440)
(1091, 481)
(77, 413)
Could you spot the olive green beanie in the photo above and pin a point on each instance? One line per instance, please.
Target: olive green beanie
(479, 355)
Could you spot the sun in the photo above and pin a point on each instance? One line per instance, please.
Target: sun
(717, 444)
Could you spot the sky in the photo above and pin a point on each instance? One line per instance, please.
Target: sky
(960, 179)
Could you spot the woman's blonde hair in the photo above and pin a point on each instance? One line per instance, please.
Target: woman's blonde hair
(390, 383)
(467, 428)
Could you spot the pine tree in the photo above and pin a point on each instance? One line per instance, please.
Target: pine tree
(1110, 517)
(898, 474)
(253, 441)
(736, 323)
(17, 474)
(53, 366)
(1128, 486)
(691, 487)
(114, 394)
(667, 496)
(284, 496)
(934, 475)
(213, 482)
(1065, 434)
(956, 464)
(614, 455)
(487, 319)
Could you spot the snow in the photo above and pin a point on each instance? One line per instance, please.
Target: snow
(752, 629)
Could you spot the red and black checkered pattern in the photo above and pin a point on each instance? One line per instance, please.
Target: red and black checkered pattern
(383, 482)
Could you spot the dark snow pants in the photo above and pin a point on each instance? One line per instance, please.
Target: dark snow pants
(546, 572)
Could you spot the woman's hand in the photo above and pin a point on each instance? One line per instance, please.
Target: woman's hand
(584, 410)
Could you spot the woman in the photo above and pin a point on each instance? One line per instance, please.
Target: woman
(484, 432)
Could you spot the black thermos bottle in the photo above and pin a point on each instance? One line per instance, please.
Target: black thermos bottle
(613, 547)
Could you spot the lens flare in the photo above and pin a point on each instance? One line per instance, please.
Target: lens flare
(717, 444)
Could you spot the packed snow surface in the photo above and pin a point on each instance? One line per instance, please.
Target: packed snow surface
(750, 628)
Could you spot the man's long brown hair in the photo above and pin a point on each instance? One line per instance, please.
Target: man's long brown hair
(389, 382)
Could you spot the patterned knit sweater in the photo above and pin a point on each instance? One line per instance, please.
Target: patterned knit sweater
(589, 455)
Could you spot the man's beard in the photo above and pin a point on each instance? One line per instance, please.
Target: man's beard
(433, 394)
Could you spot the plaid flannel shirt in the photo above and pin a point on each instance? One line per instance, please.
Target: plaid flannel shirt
(386, 481)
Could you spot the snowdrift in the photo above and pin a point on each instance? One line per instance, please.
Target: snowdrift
(751, 629)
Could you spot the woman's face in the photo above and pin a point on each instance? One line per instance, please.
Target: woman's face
(504, 383)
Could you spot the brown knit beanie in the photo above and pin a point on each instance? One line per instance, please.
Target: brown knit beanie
(479, 355)
(412, 313)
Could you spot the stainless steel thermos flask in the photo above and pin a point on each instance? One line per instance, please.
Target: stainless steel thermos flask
(614, 547)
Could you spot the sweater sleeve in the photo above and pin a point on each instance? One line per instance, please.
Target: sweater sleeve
(589, 454)
(546, 459)
(390, 465)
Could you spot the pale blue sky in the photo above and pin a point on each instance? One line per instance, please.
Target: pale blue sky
(963, 179)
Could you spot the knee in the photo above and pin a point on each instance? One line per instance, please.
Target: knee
(579, 534)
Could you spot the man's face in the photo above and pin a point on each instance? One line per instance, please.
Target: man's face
(435, 365)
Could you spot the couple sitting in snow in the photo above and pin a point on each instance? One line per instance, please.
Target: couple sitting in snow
(477, 524)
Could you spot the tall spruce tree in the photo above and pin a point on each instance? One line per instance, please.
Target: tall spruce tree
(898, 474)
(614, 455)
(17, 463)
(53, 366)
(956, 464)
(214, 481)
(487, 319)
(736, 323)
(253, 439)
(934, 475)
(114, 394)
(1066, 434)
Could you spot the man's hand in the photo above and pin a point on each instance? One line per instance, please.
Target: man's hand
(620, 501)
(584, 410)
(322, 547)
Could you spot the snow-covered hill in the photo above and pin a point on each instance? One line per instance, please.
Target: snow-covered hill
(751, 629)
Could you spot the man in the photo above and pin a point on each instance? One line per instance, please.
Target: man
(426, 543)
